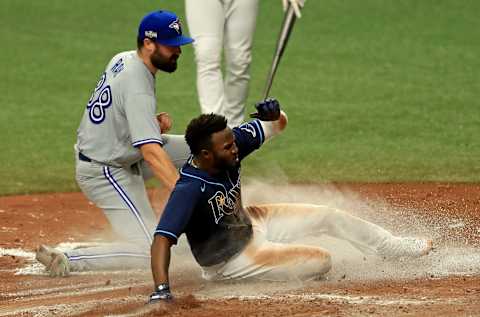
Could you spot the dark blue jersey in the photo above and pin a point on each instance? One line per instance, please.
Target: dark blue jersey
(209, 208)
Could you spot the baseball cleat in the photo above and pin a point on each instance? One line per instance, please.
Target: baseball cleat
(55, 262)
(43, 255)
(406, 247)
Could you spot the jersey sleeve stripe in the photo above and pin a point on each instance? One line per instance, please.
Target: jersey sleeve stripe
(163, 233)
(260, 131)
(142, 142)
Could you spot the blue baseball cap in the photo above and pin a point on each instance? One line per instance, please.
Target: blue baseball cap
(163, 27)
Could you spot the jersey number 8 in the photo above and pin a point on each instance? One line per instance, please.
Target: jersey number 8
(99, 101)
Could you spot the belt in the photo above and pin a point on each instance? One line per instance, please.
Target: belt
(84, 158)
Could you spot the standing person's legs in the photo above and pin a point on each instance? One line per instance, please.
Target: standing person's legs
(241, 16)
(206, 20)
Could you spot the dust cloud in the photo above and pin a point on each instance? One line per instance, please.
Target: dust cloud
(448, 258)
(452, 256)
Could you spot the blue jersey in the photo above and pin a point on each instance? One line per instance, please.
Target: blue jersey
(209, 208)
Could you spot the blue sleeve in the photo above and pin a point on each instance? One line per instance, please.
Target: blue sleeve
(178, 210)
(248, 137)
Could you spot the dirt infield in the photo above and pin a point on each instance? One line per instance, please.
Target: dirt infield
(444, 283)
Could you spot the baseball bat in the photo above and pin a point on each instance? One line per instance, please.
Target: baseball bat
(287, 26)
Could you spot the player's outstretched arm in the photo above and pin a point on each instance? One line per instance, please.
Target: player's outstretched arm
(160, 262)
(160, 163)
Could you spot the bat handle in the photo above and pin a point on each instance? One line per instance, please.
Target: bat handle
(287, 26)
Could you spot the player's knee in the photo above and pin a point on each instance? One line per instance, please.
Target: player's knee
(238, 61)
(317, 265)
(208, 53)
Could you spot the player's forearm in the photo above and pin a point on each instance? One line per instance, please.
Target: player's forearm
(161, 164)
(160, 261)
(272, 128)
(166, 172)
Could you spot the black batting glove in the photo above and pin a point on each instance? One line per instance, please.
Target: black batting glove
(162, 293)
(267, 110)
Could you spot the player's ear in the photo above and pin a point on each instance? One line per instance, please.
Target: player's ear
(149, 45)
(205, 154)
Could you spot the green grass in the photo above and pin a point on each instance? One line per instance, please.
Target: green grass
(376, 90)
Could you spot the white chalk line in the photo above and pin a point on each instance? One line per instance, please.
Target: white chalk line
(80, 308)
(39, 269)
(71, 309)
(17, 252)
(138, 312)
(74, 291)
(343, 299)
(44, 291)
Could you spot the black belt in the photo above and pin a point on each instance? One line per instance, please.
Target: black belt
(83, 157)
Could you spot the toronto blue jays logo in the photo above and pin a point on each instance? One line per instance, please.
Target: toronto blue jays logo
(176, 26)
(225, 205)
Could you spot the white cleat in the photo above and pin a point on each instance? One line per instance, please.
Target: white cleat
(55, 262)
(406, 247)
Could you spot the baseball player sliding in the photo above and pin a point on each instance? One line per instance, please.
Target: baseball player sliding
(225, 26)
(230, 241)
(121, 142)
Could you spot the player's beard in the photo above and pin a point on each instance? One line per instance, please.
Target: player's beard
(222, 163)
(161, 62)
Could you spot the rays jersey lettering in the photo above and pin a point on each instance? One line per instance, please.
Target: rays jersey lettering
(208, 208)
(222, 204)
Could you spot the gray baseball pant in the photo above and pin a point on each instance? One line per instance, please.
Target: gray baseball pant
(120, 192)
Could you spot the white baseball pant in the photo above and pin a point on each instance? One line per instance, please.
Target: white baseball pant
(226, 25)
(120, 192)
(269, 256)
